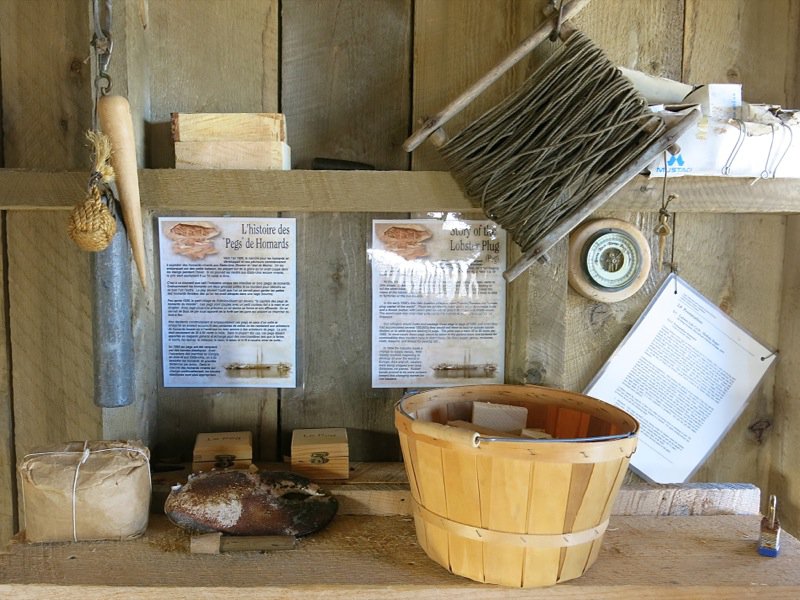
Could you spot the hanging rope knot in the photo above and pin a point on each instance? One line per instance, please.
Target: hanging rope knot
(92, 225)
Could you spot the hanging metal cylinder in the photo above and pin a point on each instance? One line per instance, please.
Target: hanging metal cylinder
(112, 335)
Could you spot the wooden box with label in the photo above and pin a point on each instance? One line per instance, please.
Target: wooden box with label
(226, 450)
(321, 453)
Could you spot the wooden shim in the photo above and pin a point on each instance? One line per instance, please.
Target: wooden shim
(228, 127)
(364, 191)
(232, 155)
(216, 543)
(502, 417)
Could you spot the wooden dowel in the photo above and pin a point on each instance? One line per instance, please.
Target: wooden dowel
(114, 114)
(685, 120)
(456, 106)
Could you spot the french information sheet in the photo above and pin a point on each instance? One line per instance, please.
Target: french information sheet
(685, 371)
(228, 301)
(438, 302)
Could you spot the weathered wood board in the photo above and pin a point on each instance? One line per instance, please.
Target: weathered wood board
(456, 43)
(51, 340)
(233, 69)
(348, 92)
(785, 443)
(208, 56)
(344, 87)
(47, 309)
(8, 498)
(334, 361)
(345, 97)
(366, 557)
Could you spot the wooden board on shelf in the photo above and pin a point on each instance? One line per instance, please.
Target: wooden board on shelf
(361, 557)
(364, 191)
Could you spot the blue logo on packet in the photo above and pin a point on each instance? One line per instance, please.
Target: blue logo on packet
(677, 158)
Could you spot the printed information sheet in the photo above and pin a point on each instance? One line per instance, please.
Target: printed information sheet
(685, 371)
(228, 301)
(438, 302)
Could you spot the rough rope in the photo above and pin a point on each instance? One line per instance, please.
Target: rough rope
(545, 150)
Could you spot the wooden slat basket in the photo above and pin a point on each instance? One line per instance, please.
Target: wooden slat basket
(513, 511)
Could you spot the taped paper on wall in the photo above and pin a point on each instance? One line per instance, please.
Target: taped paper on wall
(438, 302)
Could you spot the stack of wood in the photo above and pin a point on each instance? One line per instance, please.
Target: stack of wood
(230, 141)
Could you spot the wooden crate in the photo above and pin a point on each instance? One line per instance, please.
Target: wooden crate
(230, 449)
(321, 453)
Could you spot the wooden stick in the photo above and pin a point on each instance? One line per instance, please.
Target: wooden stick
(686, 119)
(456, 106)
(114, 114)
(215, 543)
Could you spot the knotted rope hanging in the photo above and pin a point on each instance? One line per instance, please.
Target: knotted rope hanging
(546, 150)
(91, 224)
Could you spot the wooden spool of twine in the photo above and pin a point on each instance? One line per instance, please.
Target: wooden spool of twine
(545, 151)
(91, 224)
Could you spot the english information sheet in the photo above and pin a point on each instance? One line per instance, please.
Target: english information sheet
(438, 302)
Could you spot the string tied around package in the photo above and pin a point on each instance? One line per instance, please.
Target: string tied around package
(547, 149)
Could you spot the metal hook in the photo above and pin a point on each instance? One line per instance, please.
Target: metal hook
(557, 30)
(103, 44)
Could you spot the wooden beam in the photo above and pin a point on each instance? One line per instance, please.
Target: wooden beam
(365, 191)
(366, 557)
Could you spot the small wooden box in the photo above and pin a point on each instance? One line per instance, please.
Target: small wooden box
(321, 453)
(227, 450)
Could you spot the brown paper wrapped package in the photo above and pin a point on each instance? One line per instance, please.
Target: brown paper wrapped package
(111, 493)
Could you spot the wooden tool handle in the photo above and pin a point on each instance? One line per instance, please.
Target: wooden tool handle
(114, 114)
(456, 106)
(453, 435)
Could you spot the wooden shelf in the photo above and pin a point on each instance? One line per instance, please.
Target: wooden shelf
(370, 191)
(368, 557)
(370, 550)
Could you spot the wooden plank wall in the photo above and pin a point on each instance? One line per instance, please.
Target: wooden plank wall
(208, 56)
(353, 78)
(44, 117)
(345, 97)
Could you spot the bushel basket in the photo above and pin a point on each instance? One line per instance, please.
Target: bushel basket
(514, 511)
